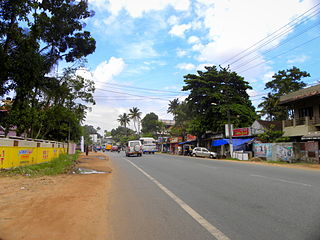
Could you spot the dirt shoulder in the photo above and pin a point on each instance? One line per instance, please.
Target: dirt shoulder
(57, 207)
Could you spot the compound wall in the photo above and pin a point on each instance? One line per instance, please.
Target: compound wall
(14, 153)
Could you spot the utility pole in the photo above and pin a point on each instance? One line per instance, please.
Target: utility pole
(230, 134)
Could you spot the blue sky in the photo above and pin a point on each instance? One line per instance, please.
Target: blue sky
(145, 47)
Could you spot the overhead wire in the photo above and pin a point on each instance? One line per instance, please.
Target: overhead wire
(275, 32)
(281, 44)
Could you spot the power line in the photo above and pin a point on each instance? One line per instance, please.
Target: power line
(264, 61)
(129, 94)
(255, 44)
(146, 89)
(284, 42)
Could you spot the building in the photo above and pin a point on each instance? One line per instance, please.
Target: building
(305, 123)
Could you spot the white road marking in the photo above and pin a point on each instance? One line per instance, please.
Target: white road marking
(196, 216)
(281, 180)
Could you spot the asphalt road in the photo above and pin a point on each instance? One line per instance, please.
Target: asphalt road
(174, 197)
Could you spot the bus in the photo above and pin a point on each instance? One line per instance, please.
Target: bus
(148, 145)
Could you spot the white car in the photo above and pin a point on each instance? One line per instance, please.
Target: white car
(134, 148)
(203, 152)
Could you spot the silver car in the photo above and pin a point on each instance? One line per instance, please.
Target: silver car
(203, 152)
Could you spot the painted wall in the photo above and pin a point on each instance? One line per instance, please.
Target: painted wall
(14, 153)
(262, 150)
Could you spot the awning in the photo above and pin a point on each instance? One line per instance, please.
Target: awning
(311, 136)
(186, 142)
(235, 141)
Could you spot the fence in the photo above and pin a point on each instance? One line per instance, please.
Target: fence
(14, 153)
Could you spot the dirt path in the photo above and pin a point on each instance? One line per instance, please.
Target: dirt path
(59, 207)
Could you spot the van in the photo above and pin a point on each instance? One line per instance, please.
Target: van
(148, 145)
(134, 148)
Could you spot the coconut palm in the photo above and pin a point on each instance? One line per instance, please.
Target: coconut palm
(123, 119)
(135, 115)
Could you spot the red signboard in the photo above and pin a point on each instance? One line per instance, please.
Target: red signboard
(238, 132)
(191, 137)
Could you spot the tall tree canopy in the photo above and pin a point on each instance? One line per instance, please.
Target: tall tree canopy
(283, 82)
(34, 37)
(151, 125)
(213, 93)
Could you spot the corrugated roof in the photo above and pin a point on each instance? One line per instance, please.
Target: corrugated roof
(300, 94)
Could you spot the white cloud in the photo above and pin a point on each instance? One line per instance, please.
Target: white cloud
(186, 66)
(267, 77)
(138, 7)
(298, 59)
(173, 20)
(104, 72)
(179, 30)
(198, 47)
(193, 39)
(140, 50)
(235, 25)
(181, 53)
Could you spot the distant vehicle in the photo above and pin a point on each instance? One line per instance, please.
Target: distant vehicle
(134, 148)
(203, 152)
(114, 148)
(148, 145)
(108, 147)
(98, 148)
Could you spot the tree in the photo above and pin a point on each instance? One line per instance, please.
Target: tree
(34, 36)
(135, 115)
(284, 82)
(213, 94)
(122, 135)
(123, 119)
(181, 115)
(151, 124)
(270, 135)
(173, 105)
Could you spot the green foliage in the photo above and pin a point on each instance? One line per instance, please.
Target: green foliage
(63, 164)
(135, 115)
(212, 94)
(124, 119)
(34, 36)
(270, 135)
(122, 135)
(283, 82)
(151, 124)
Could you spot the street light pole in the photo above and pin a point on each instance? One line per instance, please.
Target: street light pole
(230, 134)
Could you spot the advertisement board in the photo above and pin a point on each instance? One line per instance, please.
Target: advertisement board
(241, 132)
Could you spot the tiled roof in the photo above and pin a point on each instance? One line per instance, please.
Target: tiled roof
(300, 94)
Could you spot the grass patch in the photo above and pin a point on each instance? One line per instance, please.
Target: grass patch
(62, 164)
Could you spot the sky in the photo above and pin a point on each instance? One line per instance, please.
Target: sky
(145, 47)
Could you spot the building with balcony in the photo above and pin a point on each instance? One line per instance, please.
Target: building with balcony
(305, 122)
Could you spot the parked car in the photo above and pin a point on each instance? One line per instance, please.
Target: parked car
(203, 152)
(134, 148)
(114, 148)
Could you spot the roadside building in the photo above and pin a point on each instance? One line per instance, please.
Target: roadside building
(305, 123)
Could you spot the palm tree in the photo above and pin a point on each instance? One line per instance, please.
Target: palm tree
(135, 115)
(173, 105)
(123, 119)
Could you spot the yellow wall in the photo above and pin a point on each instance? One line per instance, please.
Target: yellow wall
(22, 153)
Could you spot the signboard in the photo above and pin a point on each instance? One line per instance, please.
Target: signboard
(175, 139)
(191, 137)
(240, 132)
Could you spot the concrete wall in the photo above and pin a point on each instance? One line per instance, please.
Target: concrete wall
(14, 153)
(288, 152)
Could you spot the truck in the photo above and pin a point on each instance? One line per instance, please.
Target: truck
(148, 145)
